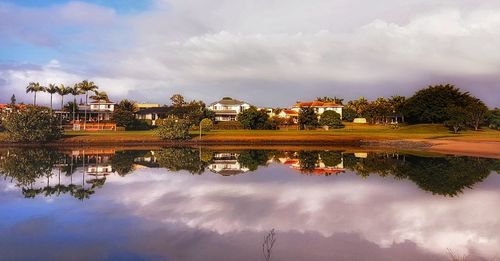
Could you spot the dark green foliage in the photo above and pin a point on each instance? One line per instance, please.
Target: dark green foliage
(173, 128)
(176, 159)
(331, 119)
(493, 119)
(123, 161)
(252, 159)
(330, 99)
(476, 112)
(194, 111)
(447, 176)
(253, 119)
(31, 124)
(308, 160)
(124, 115)
(430, 105)
(25, 166)
(348, 114)
(308, 119)
(331, 158)
(457, 118)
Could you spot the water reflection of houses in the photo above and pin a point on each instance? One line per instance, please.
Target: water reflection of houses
(319, 167)
(77, 173)
(226, 164)
(149, 160)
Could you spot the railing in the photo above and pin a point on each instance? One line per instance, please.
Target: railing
(94, 126)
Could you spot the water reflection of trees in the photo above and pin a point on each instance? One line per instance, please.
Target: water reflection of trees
(446, 175)
(40, 171)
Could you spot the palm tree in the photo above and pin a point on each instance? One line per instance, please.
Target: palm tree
(34, 87)
(52, 89)
(87, 86)
(63, 90)
(99, 96)
(75, 91)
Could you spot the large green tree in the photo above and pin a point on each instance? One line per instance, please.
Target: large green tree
(31, 124)
(430, 105)
(124, 114)
(173, 128)
(308, 118)
(253, 119)
(331, 119)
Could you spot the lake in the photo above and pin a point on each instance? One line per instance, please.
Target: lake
(209, 204)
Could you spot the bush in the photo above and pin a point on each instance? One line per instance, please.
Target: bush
(493, 119)
(139, 125)
(32, 124)
(331, 119)
(206, 124)
(228, 125)
(308, 119)
(173, 128)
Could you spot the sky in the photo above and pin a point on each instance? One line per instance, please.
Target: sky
(266, 52)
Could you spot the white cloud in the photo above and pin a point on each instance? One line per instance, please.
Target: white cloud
(258, 50)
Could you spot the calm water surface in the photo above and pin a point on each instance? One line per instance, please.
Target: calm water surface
(200, 204)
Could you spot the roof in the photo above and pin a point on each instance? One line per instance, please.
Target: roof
(318, 104)
(290, 112)
(4, 105)
(153, 110)
(228, 101)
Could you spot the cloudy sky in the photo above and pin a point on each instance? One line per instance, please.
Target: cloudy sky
(268, 52)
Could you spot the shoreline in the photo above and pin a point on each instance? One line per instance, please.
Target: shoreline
(488, 149)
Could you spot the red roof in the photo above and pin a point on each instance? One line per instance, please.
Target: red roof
(290, 112)
(321, 171)
(3, 105)
(317, 104)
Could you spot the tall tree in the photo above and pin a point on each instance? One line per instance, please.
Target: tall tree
(476, 112)
(253, 119)
(99, 97)
(13, 100)
(330, 99)
(307, 118)
(177, 100)
(75, 91)
(34, 87)
(63, 91)
(87, 86)
(51, 89)
(430, 105)
(124, 114)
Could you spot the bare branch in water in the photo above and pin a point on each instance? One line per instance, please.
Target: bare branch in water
(268, 244)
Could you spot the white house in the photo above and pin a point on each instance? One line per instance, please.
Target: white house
(228, 109)
(102, 109)
(319, 107)
(226, 164)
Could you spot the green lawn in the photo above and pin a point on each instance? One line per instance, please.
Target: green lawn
(351, 131)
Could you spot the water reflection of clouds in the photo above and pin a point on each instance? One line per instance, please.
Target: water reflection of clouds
(382, 210)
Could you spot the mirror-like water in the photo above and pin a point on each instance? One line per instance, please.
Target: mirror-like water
(203, 204)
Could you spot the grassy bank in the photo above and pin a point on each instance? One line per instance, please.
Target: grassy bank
(352, 132)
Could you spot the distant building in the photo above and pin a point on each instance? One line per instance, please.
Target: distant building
(319, 107)
(102, 110)
(289, 114)
(152, 114)
(228, 109)
(147, 105)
